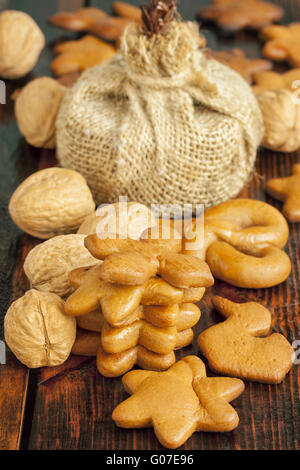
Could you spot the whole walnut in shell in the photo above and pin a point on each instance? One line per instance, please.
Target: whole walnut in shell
(37, 330)
(36, 108)
(21, 42)
(281, 114)
(51, 202)
(47, 266)
(129, 219)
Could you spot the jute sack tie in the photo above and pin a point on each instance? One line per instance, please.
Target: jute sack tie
(161, 123)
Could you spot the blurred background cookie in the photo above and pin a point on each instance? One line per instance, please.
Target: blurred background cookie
(237, 60)
(235, 15)
(80, 54)
(283, 43)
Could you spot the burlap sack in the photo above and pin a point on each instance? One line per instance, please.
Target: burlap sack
(161, 123)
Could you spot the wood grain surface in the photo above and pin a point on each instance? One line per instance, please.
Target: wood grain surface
(70, 406)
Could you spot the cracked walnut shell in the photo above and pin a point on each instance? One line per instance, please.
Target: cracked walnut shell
(51, 202)
(21, 42)
(281, 113)
(47, 266)
(37, 330)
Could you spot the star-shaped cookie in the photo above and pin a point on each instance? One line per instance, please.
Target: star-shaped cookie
(287, 190)
(178, 402)
(235, 15)
(119, 303)
(80, 54)
(134, 262)
(158, 339)
(283, 43)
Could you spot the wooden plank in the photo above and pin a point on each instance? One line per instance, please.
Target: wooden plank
(71, 405)
(13, 391)
(14, 377)
(268, 414)
(74, 405)
(18, 160)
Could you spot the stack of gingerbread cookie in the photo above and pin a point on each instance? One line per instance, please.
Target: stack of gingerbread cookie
(141, 297)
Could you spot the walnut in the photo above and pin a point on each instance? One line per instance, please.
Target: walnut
(47, 266)
(281, 114)
(124, 218)
(21, 42)
(37, 330)
(36, 108)
(51, 202)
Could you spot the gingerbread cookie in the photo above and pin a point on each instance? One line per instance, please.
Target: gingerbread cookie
(235, 15)
(159, 339)
(90, 291)
(114, 365)
(238, 346)
(243, 241)
(134, 262)
(93, 21)
(92, 321)
(272, 80)
(77, 56)
(193, 295)
(88, 343)
(151, 245)
(125, 10)
(288, 191)
(283, 43)
(237, 60)
(117, 302)
(178, 402)
(158, 292)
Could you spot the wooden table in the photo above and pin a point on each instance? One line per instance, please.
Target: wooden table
(69, 407)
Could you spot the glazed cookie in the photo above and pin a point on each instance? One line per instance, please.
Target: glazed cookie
(178, 402)
(114, 365)
(158, 339)
(288, 191)
(238, 346)
(155, 292)
(117, 302)
(134, 262)
(127, 277)
(243, 241)
(92, 321)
